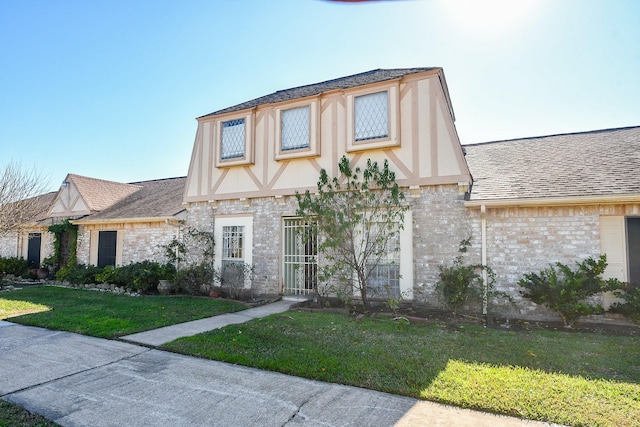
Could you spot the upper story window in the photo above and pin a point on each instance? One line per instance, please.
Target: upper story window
(295, 128)
(371, 116)
(232, 139)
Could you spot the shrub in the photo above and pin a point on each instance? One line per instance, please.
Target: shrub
(143, 276)
(631, 305)
(14, 265)
(566, 291)
(232, 277)
(459, 283)
(78, 274)
(197, 279)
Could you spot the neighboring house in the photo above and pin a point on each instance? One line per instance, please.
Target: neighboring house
(117, 223)
(559, 198)
(28, 240)
(250, 159)
(136, 228)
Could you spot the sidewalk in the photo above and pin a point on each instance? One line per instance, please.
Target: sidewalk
(77, 380)
(164, 335)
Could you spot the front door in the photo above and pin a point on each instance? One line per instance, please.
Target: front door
(633, 249)
(33, 250)
(300, 257)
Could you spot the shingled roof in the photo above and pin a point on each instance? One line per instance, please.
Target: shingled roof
(361, 79)
(99, 194)
(597, 163)
(159, 198)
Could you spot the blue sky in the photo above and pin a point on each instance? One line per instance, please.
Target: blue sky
(111, 88)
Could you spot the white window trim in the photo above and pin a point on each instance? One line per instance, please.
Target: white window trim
(314, 130)
(249, 125)
(393, 138)
(227, 221)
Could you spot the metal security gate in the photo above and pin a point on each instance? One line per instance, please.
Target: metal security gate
(300, 257)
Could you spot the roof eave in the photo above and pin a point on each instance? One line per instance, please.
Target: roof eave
(166, 219)
(555, 201)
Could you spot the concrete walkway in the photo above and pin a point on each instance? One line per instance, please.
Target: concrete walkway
(77, 380)
(164, 335)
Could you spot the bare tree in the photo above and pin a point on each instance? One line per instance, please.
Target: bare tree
(20, 189)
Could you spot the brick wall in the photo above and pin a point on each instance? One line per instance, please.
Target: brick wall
(527, 239)
(440, 223)
(9, 245)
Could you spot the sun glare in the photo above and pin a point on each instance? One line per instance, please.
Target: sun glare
(489, 17)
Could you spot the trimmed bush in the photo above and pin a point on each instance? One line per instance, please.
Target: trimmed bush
(14, 265)
(631, 305)
(566, 291)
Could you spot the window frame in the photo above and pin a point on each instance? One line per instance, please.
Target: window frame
(393, 122)
(247, 157)
(245, 221)
(313, 149)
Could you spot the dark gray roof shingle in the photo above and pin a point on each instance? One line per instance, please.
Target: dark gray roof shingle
(369, 77)
(156, 198)
(597, 163)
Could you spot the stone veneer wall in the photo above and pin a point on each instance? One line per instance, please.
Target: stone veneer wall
(146, 241)
(440, 223)
(140, 241)
(9, 245)
(527, 239)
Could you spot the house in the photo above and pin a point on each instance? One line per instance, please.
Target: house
(117, 223)
(249, 160)
(524, 203)
(27, 241)
(558, 198)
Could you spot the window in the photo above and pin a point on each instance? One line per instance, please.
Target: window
(295, 128)
(371, 116)
(232, 245)
(384, 278)
(232, 139)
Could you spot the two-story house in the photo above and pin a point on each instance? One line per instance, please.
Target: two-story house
(249, 160)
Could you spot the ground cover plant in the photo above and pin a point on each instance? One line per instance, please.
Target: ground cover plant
(105, 315)
(12, 415)
(571, 378)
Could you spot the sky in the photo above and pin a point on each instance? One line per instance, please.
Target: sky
(111, 88)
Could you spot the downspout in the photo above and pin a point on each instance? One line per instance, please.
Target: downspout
(485, 284)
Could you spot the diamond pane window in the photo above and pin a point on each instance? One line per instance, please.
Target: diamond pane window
(372, 116)
(232, 145)
(295, 128)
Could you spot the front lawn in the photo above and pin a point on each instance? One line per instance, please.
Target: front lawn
(102, 314)
(570, 378)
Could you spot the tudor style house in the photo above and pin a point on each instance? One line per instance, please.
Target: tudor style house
(250, 159)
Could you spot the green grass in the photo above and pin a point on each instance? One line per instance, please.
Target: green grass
(570, 378)
(103, 314)
(12, 415)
